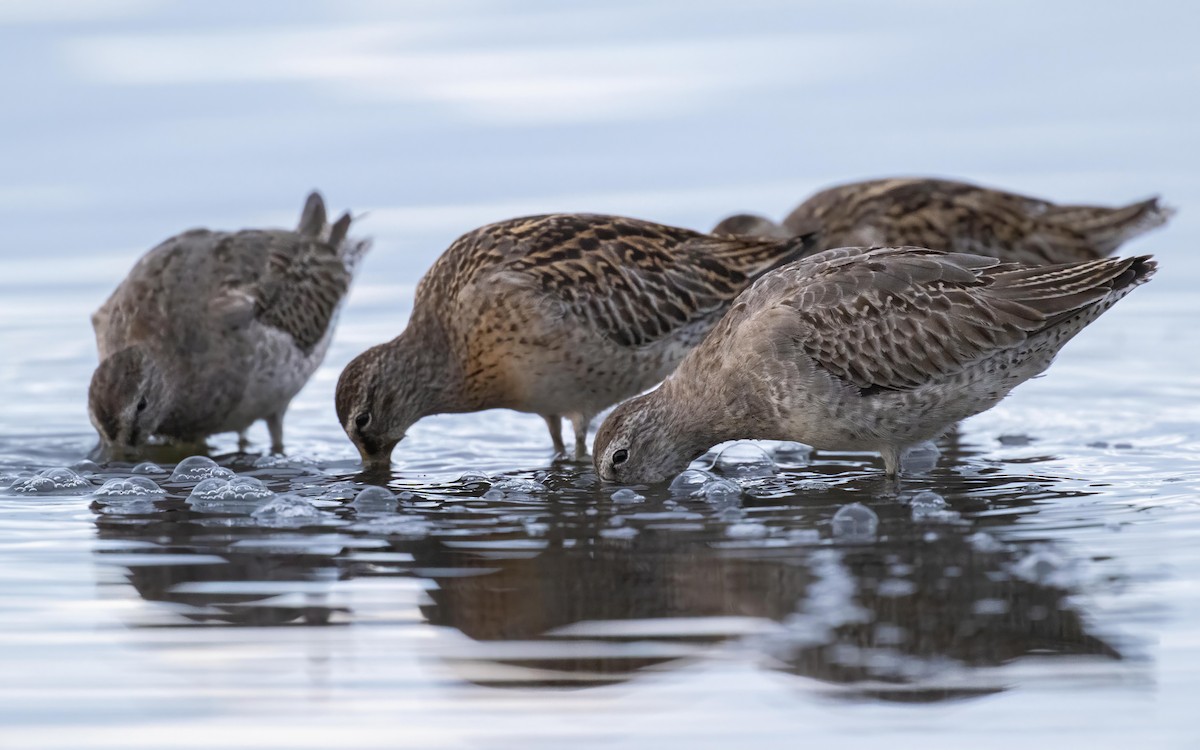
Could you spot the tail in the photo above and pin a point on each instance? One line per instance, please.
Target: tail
(313, 223)
(1062, 292)
(755, 256)
(750, 225)
(1107, 228)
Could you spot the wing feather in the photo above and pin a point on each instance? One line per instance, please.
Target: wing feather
(895, 318)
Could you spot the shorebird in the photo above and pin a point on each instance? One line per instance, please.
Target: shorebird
(212, 331)
(559, 315)
(958, 217)
(872, 349)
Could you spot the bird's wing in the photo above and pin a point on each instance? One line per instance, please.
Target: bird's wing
(894, 318)
(634, 281)
(298, 291)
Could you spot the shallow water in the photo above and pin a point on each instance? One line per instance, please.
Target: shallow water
(1037, 586)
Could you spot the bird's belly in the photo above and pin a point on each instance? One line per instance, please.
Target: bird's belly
(276, 371)
(846, 420)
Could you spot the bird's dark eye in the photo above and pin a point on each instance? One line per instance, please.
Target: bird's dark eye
(620, 457)
(362, 420)
(141, 405)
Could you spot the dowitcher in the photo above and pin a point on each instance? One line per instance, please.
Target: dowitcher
(560, 315)
(958, 217)
(872, 349)
(212, 331)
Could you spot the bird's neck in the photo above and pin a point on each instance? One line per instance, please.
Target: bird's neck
(718, 410)
(424, 365)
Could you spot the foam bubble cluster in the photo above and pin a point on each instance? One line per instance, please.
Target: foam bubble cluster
(744, 461)
(717, 490)
(297, 464)
(518, 486)
(59, 481)
(236, 489)
(129, 487)
(196, 468)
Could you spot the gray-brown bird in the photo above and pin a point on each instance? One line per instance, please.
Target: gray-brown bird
(212, 331)
(958, 217)
(862, 349)
(560, 315)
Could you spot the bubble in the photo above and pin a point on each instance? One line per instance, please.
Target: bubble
(621, 532)
(493, 496)
(375, 500)
(8, 480)
(472, 476)
(804, 536)
(812, 485)
(731, 514)
(927, 505)
(892, 587)
(406, 527)
(990, 607)
(287, 510)
(518, 485)
(717, 490)
(855, 522)
(129, 487)
(536, 528)
(50, 482)
(132, 507)
(982, 541)
(340, 492)
(921, 458)
(744, 460)
(626, 496)
(235, 491)
(294, 464)
(746, 530)
(792, 454)
(195, 468)
(148, 467)
(85, 467)
(1043, 565)
(689, 481)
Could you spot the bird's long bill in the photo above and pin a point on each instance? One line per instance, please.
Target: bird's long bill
(377, 460)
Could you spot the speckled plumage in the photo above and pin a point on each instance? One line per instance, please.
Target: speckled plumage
(211, 331)
(862, 349)
(958, 217)
(557, 315)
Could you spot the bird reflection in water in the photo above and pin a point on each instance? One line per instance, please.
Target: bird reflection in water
(548, 596)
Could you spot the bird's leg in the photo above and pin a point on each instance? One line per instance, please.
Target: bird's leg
(243, 441)
(891, 461)
(275, 427)
(580, 422)
(554, 424)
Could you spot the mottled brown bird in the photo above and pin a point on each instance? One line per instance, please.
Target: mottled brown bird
(862, 349)
(958, 217)
(557, 315)
(212, 331)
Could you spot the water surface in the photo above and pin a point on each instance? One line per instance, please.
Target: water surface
(1037, 586)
